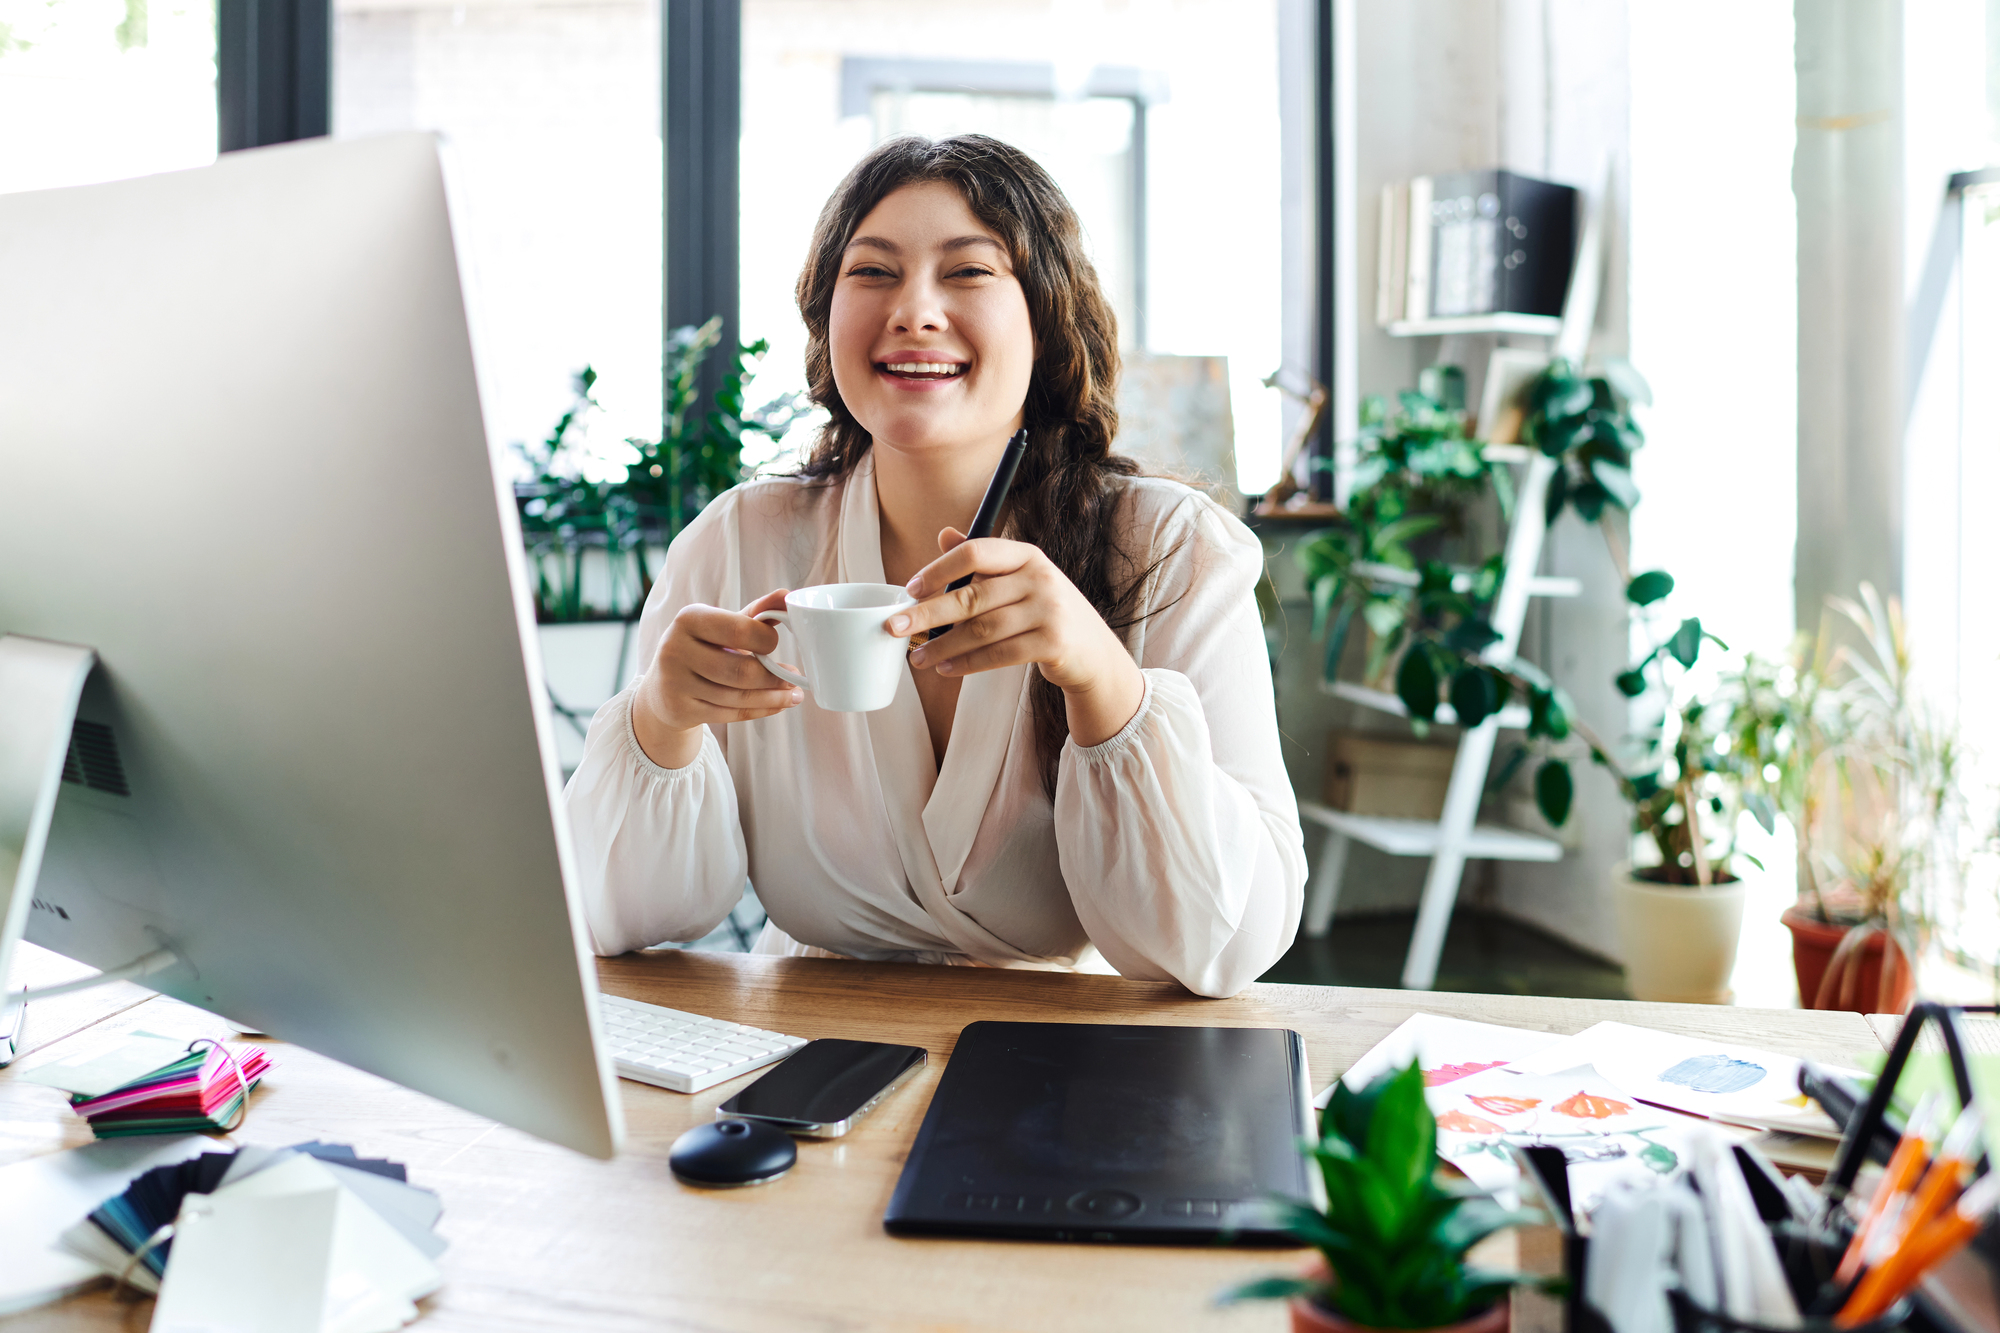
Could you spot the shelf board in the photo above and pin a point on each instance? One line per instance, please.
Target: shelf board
(1514, 717)
(1420, 837)
(1504, 321)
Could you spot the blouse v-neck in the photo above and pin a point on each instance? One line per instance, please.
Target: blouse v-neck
(938, 807)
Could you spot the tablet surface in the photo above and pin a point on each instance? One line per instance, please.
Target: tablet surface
(1100, 1132)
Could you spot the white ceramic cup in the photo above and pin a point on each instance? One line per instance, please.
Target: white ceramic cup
(851, 663)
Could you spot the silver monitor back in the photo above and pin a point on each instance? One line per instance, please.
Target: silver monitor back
(242, 457)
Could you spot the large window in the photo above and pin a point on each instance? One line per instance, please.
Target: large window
(97, 90)
(1162, 128)
(551, 111)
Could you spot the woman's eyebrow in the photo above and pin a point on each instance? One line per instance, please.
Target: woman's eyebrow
(875, 243)
(967, 242)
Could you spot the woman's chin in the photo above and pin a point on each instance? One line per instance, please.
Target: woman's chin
(919, 434)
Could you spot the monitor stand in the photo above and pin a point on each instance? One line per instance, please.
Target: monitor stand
(41, 684)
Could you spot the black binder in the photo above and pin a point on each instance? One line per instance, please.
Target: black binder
(1100, 1132)
(1498, 242)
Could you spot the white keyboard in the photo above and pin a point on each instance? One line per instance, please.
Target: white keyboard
(685, 1052)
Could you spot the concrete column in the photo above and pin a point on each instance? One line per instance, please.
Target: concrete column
(1848, 177)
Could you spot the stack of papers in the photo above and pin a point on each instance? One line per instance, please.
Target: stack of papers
(149, 1084)
(312, 1238)
(1605, 1097)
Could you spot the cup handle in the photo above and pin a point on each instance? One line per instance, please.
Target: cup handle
(771, 664)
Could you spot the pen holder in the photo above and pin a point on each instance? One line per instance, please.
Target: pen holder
(1872, 1117)
(1692, 1318)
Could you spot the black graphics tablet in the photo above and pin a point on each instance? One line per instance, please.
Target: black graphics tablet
(1095, 1132)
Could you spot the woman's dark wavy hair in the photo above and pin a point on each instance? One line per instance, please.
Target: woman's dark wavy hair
(1066, 494)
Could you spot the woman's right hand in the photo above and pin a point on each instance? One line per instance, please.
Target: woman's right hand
(704, 673)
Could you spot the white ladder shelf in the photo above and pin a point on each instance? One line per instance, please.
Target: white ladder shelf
(1454, 837)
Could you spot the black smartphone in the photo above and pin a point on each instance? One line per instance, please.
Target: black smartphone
(822, 1088)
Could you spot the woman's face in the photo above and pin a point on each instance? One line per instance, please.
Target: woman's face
(932, 345)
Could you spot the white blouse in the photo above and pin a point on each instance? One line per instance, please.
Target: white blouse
(1173, 848)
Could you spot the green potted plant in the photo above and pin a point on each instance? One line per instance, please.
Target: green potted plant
(1393, 1239)
(596, 528)
(1868, 774)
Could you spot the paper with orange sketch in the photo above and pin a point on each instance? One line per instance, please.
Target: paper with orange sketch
(1447, 1048)
(1692, 1074)
(1604, 1134)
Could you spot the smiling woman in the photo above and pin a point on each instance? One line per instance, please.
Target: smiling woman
(1087, 761)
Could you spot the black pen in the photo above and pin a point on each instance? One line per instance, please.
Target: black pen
(989, 508)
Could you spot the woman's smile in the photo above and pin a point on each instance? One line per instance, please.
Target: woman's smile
(921, 371)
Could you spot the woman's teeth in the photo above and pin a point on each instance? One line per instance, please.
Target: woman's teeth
(934, 370)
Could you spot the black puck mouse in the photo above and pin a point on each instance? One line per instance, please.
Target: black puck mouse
(732, 1152)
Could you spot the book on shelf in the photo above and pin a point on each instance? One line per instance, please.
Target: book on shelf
(1474, 243)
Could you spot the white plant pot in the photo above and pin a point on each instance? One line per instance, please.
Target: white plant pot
(1679, 942)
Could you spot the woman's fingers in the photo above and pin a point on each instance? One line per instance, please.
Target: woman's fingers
(977, 632)
(760, 702)
(736, 670)
(985, 555)
(957, 605)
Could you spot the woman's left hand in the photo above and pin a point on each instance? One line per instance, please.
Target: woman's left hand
(1020, 608)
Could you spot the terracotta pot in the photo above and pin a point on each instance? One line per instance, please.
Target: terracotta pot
(1679, 941)
(1310, 1318)
(1813, 945)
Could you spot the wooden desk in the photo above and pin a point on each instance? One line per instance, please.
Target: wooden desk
(542, 1238)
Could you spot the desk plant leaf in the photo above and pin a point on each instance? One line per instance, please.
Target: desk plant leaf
(1393, 1237)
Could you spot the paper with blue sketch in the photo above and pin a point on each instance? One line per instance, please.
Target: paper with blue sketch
(1691, 1074)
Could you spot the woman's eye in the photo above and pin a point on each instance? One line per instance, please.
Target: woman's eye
(973, 271)
(868, 271)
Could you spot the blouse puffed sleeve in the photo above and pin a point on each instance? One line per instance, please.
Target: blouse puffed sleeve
(1179, 836)
(659, 851)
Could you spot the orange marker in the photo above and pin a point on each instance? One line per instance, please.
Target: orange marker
(1948, 1170)
(1906, 1165)
(1932, 1244)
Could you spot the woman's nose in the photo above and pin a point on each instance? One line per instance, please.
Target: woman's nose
(920, 309)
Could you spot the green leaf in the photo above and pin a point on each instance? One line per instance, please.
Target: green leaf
(1269, 1289)
(1402, 531)
(1475, 695)
(1686, 643)
(1627, 382)
(1762, 810)
(1589, 500)
(1417, 683)
(1548, 718)
(1559, 393)
(1631, 683)
(1385, 615)
(1324, 590)
(1616, 481)
(1336, 640)
(1554, 790)
(1558, 496)
(1650, 587)
(1471, 634)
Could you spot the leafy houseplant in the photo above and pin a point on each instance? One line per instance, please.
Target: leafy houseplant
(1868, 774)
(571, 521)
(1393, 1238)
(1439, 621)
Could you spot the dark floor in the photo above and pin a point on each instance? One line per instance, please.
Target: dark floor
(1483, 953)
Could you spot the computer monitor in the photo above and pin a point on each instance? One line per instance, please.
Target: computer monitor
(242, 459)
